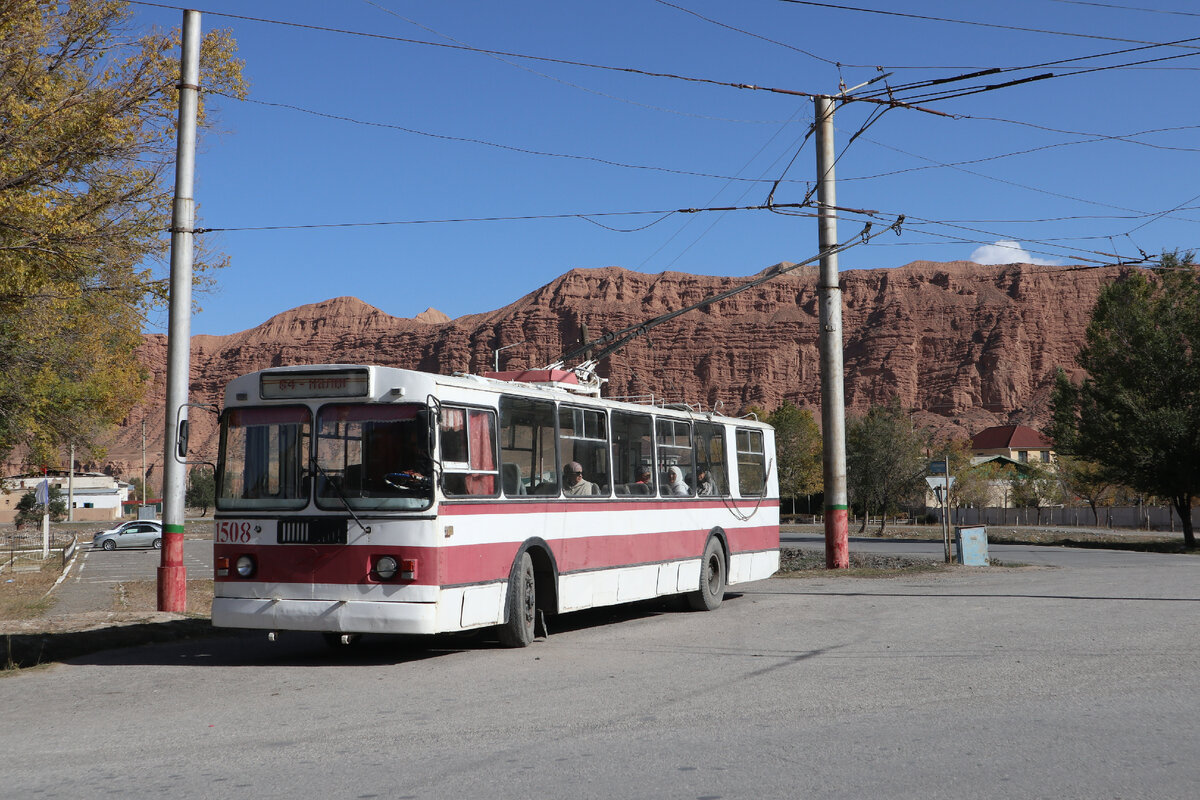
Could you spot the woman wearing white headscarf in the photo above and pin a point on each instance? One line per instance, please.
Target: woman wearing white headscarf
(676, 486)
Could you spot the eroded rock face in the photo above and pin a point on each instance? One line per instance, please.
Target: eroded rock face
(967, 346)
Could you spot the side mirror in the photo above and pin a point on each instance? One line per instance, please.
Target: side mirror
(182, 439)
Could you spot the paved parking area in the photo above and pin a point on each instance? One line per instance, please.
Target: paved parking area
(89, 581)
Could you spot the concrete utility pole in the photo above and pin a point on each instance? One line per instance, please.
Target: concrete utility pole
(172, 574)
(71, 487)
(833, 397)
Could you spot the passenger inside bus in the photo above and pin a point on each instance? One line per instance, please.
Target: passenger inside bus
(675, 484)
(573, 483)
(645, 481)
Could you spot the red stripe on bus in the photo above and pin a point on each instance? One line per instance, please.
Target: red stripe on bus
(479, 563)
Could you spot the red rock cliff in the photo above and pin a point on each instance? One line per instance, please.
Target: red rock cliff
(966, 345)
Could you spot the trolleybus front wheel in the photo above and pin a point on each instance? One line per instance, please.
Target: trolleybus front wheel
(520, 606)
(712, 578)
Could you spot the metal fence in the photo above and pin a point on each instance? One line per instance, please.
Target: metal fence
(1147, 518)
(22, 550)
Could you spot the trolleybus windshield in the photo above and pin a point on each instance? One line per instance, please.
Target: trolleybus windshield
(264, 452)
(373, 457)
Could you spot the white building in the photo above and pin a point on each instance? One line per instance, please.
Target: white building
(94, 495)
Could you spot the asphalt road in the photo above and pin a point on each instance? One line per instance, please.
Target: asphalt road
(1070, 682)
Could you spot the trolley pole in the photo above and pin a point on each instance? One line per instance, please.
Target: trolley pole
(833, 398)
(172, 574)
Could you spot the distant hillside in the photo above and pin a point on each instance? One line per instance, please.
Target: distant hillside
(967, 345)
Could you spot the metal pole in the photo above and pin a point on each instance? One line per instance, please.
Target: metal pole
(833, 399)
(946, 510)
(71, 487)
(496, 352)
(172, 574)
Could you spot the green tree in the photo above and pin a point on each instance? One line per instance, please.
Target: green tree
(1086, 480)
(87, 131)
(29, 511)
(886, 461)
(1137, 413)
(1033, 487)
(973, 483)
(201, 489)
(797, 451)
(135, 489)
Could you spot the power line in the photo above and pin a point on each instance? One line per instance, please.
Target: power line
(483, 142)
(614, 340)
(1123, 137)
(487, 51)
(1127, 8)
(891, 90)
(933, 97)
(516, 218)
(1008, 182)
(717, 194)
(720, 24)
(997, 157)
(556, 79)
(976, 23)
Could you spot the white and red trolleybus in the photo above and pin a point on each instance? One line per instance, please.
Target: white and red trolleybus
(365, 499)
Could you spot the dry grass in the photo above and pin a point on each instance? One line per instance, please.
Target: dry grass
(23, 594)
(140, 596)
(796, 562)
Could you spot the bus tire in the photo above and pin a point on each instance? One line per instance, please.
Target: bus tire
(521, 605)
(712, 578)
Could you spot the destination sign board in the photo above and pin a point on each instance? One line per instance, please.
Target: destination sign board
(297, 385)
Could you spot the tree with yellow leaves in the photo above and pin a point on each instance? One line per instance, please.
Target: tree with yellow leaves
(87, 144)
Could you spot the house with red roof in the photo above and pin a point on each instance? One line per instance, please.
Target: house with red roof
(1016, 442)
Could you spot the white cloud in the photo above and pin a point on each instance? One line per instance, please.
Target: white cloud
(1007, 253)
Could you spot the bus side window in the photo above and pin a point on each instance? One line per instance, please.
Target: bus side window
(468, 451)
(528, 454)
(676, 472)
(633, 454)
(751, 463)
(583, 438)
(711, 476)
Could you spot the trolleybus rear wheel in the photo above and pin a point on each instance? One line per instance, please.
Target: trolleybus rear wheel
(712, 578)
(521, 605)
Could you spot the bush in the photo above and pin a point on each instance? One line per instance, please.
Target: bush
(29, 511)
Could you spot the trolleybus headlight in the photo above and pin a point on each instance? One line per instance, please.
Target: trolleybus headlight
(245, 566)
(386, 568)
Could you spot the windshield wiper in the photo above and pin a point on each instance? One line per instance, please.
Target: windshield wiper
(337, 487)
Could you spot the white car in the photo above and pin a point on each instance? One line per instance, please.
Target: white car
(135, 533)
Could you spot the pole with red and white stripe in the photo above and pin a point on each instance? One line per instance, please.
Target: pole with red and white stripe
(172, 574)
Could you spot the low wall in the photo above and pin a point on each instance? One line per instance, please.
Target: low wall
(1147, 518)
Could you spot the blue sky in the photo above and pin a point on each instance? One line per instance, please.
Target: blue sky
(453, 134)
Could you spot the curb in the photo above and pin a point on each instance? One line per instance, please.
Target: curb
(22, 650)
